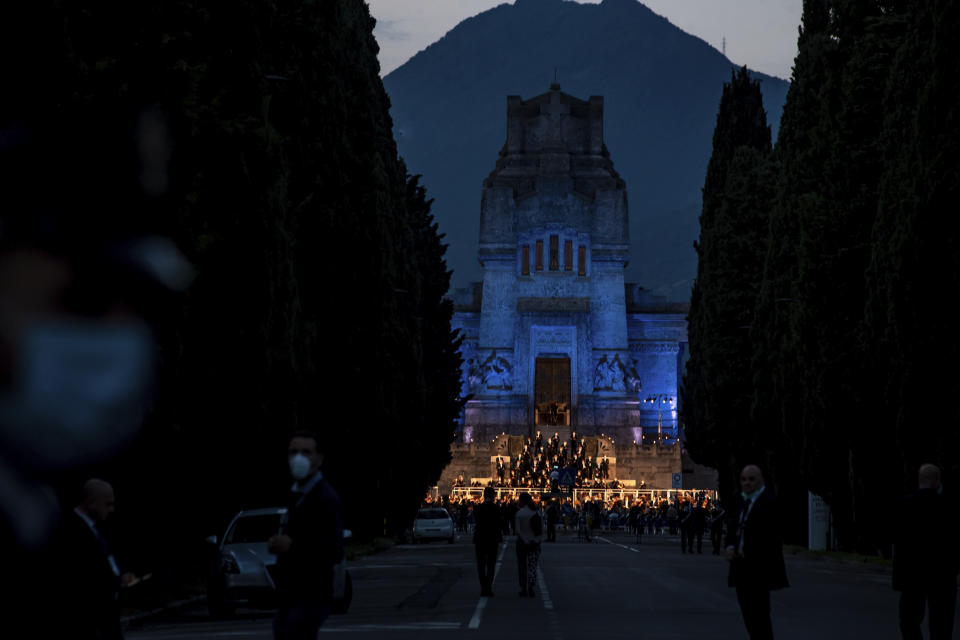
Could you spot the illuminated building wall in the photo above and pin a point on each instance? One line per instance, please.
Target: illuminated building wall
(554, 338)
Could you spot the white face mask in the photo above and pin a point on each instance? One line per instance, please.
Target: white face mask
(81, 395)
(299, 466)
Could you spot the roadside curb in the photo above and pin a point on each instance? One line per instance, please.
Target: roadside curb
(137, 618)
(864, 562)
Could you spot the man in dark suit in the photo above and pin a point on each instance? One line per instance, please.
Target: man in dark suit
(486, 539)
(309, 545)
(925, 559)
(553, 516)
(684, 511)
(697, 524)
(716, 527)
(90, 577)
(755, 552)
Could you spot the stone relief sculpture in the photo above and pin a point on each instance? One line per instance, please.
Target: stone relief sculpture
(499, 372)
(468, 377)
(604, 376)
(614, 375)
(617, 374)
(474, 377)
(632, 378)
(495, 372)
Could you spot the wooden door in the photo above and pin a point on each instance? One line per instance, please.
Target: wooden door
(552, 391)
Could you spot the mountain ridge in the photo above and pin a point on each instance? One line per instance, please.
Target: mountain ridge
(661, 89)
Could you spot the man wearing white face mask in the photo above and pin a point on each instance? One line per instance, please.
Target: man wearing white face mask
(309, 544)
(83, 288)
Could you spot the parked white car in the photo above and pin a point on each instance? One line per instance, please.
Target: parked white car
(433, 524)
(244, 572)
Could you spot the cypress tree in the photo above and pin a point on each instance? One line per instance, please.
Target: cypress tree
(716, 386)
(914, 273)
(810, 310)
(777, 402)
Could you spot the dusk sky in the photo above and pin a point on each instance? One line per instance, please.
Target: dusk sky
(760, 33)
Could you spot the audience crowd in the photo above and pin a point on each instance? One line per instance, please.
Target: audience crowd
(690, 515)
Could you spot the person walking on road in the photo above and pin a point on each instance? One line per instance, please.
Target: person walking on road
(553, 515)
(487, 536)
(698, 523)
(755, 552)
(925, 559)
(308, 547)
(717, 515)
(529, 527)
(684, 515)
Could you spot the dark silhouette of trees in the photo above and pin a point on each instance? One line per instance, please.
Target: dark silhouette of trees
(319, 298)
(912, 279)
(716, 387)
(859, 255)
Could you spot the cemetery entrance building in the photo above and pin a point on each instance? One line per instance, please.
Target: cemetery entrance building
(564, 363)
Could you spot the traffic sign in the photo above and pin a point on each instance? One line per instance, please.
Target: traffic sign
(568, 477)
(677, 481)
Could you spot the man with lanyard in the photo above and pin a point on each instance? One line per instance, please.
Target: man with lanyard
(755, 553)
(90, 580)
(309, 544)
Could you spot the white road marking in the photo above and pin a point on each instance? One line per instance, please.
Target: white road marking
(265, 632)
(191, 633)
(411, 626)
(556, 632)
(482, 603)
(411, 565)
(617, 544)
(547, 602)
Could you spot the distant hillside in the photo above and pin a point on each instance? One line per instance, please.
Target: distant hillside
(661, 88)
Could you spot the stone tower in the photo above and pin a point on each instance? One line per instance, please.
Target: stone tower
(554, 339)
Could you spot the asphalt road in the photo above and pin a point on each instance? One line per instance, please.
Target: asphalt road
(609, 589)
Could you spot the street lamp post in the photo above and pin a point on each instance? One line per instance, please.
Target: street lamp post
(660, 399)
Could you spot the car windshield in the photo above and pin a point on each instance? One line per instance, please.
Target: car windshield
(432, 514)
(253, 529)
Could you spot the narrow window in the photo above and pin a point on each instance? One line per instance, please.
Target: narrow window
(554, 253)
(539, 255)
(525, 261)
(581, 260)
(568, 255)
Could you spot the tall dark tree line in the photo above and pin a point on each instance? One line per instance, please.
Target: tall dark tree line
(914, 271)
(717, 387)
(319, 297)
(858, 251)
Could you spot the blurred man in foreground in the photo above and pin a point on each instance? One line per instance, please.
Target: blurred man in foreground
(84, 283)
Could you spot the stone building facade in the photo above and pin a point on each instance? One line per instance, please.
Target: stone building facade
(554, 339)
